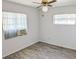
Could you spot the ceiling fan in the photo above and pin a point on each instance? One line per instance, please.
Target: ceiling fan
(45, 4)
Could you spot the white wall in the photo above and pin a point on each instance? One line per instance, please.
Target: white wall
(40, 29)
(60, 35)
(18, 43)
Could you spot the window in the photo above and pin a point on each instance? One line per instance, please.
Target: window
(64, 19)
(14, 24)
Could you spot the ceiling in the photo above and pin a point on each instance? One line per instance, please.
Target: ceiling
(58, 3)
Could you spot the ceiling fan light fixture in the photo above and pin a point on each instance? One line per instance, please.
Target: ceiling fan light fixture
(45, 8)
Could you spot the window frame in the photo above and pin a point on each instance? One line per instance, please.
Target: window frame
(15, 13)
(62, 23)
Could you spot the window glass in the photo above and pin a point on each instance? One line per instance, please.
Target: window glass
(14, 24)
(64, 19)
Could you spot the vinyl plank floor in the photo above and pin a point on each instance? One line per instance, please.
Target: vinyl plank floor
(43, 51)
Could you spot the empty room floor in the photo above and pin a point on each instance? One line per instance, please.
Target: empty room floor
(42, 50)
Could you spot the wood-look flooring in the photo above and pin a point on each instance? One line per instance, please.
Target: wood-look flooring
(43, 51)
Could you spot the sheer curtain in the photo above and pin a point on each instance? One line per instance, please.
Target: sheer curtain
(13, 22)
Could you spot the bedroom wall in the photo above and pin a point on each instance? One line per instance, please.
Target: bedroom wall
(60, 35)
(15, 44)
(40, 28)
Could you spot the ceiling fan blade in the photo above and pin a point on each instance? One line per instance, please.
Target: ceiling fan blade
(50, 5)
(51, 1)
(36, 2)
(39, 6)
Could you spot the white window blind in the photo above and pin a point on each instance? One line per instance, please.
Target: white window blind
(64, 19)
(12, 23)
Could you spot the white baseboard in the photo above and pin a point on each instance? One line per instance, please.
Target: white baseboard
(8, 53)
(59, 45)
